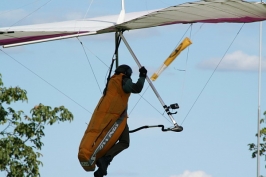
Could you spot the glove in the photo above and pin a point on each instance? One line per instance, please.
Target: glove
(142, 72)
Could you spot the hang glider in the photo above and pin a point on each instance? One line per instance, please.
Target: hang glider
(208, 11)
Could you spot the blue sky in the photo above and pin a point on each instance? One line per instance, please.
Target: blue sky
(217, 128)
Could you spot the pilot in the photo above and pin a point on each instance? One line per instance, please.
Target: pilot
(122, 75)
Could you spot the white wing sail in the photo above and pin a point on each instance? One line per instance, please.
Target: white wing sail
(217, 11)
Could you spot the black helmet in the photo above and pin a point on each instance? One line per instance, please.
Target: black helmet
(125, 69)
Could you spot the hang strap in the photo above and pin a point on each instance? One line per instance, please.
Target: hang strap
(115, 57)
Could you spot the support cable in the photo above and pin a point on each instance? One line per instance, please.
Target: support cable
(86, 13)
(88, 9)
(95, 55)
(29, 14)
(114, 58)
(141, 96)
(190, 26)
(45, 80)
(176, 127)
(184, 79)
(212, 73)
(90, 65)
(19, 7)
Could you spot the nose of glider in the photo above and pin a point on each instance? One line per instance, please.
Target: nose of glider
(177, 128)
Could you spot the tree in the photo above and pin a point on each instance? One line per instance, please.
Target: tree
(253, 147)
(20, 141)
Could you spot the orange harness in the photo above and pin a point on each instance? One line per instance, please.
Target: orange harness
(106, 125)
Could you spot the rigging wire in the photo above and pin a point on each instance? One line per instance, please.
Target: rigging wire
(198, 29)
(87, 59)
(141, 97)
(86, 13)
(90, 65)
(88, 9)
(29, 14)
(139, 94)
(190, 27)
(183, 35)
(18, 7)
(184, 79)
(45, 81)
(95, 79)
(50, 83)
(96, 56)
(213, 73)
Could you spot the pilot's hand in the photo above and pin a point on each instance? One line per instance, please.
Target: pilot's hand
(142, 72)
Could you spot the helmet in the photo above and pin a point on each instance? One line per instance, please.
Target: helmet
(125, 69)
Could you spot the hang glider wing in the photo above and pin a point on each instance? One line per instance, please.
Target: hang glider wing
(53, 31)
(209, 11)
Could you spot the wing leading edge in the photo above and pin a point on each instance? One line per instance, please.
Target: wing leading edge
(217, 11)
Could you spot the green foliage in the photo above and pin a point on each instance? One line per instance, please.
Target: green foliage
(21, 138)
(253, 147)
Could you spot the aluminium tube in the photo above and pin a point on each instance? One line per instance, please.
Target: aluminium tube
(147, 78)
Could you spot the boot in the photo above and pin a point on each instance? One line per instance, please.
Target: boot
(103, 163)
(98, 173)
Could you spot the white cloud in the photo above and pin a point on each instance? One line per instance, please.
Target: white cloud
(192, 174)
(236, 61)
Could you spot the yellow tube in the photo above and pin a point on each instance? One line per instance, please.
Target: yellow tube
(186, 42)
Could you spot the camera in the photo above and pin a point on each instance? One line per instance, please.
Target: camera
(174, 106)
